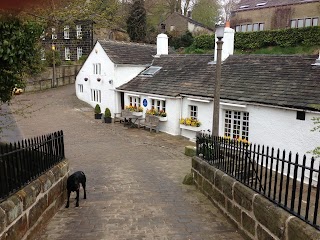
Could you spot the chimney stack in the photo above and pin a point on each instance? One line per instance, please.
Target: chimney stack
(162, 44)
(228, 43)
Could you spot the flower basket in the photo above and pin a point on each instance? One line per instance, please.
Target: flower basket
(190, 122)
(163, 119)
(139, 114)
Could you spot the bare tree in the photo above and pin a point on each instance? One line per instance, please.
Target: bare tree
(227, 7)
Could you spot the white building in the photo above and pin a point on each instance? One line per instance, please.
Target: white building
(266, 99)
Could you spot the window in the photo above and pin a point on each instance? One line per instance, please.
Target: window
(261, 4)
(238, 28)
(158, 105)
(151, 71)
(134, 101)
(96, 95)
(43, 35)
(243, 28)
(43, 54)
(300, 23)
(79, 32)
(315, 21)
(243, 6)
(293, 23)
(67, 53)
(236, 124)
(261, 26)
(308, 22)
(249, 27)
(66, 32)
(193, 112)
(256, 27)
(79, 52)
(97, 68)
(301, 115)
(54, 34)
(80, 87)
(172, 28)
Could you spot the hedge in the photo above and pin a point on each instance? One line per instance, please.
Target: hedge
(308, 36)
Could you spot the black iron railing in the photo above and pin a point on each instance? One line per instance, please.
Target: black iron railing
(291, 182)
(22, 162)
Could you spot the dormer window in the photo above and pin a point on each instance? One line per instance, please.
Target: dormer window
(150, 71)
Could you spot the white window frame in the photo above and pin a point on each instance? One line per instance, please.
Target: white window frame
(293, 23)
(249, 28)
(66, 32)
(79, 31)
(236, 124)
(96, 95)
(79, 52)
(308, 22)
(261, 26)
(159, 105)
(193, 111)
(80, 87)
(67, 54)
(97, 68)
(134, 101)
(53, 33)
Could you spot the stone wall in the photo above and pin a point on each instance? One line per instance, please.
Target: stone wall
(65, 74)
(255, 216)
(26, 212)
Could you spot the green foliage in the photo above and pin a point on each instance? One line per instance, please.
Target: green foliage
(184, 40)
(206, 12)
(204, 42)
(107, 113)
(97, 109)
(49, 58)
(291, 37)
(137, 21)
(19, 53)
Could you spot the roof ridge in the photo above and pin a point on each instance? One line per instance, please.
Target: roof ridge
(127, 43)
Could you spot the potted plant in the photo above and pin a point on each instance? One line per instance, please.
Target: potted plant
(97, 112)
(107, 116)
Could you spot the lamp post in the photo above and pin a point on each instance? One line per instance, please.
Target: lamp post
(53, 84)
(216, 101)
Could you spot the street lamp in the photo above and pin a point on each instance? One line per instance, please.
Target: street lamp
(216, 101)
(53, 84)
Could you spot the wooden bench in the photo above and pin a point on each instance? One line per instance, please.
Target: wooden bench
(122, 117)
(151, 122)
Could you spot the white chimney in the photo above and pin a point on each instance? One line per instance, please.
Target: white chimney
(162, 44)
(228, 43)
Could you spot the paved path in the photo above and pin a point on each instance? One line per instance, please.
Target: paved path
(134, 177)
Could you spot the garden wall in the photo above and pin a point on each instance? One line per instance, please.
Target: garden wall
(64, 75)
(26, 212)
(255, 216)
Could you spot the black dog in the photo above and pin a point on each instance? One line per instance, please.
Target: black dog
(73, 185)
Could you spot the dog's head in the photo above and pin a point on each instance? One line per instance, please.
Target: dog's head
(73, 184)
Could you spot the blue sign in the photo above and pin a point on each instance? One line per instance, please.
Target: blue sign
(145, 102)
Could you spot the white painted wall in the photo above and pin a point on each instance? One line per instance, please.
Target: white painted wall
(119, 74)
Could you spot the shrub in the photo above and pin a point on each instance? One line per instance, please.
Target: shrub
(203, 42)
(107, 113)
(97, 109)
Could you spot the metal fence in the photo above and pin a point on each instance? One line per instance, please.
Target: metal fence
(289, 181)
(22, 162)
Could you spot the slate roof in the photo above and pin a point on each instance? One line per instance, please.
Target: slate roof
(129, 53)
(252, 4)
(190, 20)
(280, 80)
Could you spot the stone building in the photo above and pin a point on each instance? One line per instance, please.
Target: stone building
(178, 24)
(72, 41)
(259, 15)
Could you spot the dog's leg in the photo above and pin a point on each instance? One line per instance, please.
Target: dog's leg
(84, 190)
(68, 199)
(77, 203)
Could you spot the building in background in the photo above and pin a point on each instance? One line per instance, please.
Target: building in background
(72, 41)
(259, 15)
